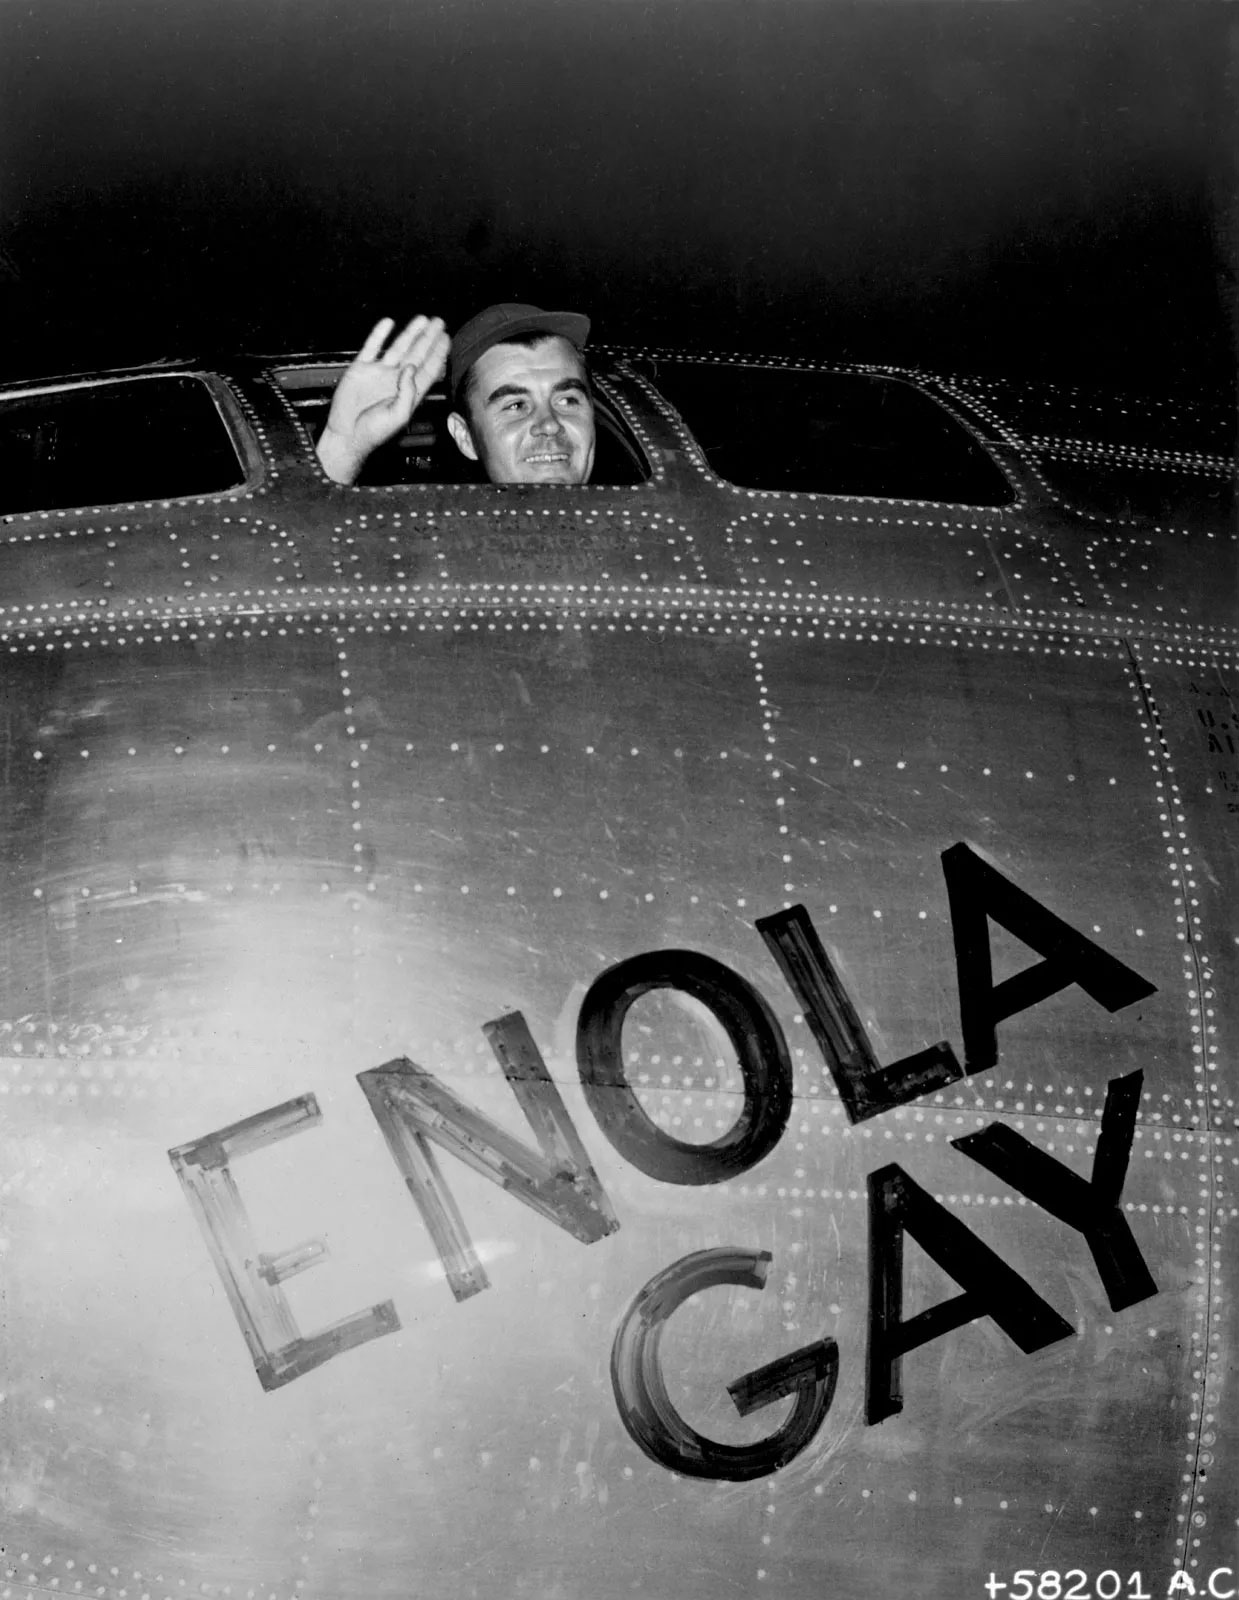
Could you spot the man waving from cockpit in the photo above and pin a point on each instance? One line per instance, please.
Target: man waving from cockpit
(520, 395)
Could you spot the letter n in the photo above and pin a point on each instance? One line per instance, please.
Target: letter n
(977, 891)
(555, 1179)
(898, 1205)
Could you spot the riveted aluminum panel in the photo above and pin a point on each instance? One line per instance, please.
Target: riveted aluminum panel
(264, 838)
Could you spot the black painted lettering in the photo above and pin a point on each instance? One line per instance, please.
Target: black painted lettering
(977, 891)
(898, 1205)
(645, 1407)
(865, 1088)
(280, 1352)
(1091, 1208)
(556, 1179)
(754, 1033)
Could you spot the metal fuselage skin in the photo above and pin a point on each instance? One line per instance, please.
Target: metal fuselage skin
(334, 811)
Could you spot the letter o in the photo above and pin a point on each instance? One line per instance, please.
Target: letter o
(755, 1035)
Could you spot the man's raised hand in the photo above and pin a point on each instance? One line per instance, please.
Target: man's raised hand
(379, 391)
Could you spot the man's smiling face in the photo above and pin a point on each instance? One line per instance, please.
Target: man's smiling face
(529, 418)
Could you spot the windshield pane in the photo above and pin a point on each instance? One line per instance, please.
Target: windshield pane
(102, 443)
(838, 433)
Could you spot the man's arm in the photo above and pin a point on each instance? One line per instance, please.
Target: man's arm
(379, 392)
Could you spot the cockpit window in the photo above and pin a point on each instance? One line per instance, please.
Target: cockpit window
(841, 433)
(425, 453)
(100, 443)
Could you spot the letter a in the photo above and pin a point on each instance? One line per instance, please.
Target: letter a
(977, 891)
(898, 1205)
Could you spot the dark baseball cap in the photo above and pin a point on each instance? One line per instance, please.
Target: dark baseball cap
(501, 322)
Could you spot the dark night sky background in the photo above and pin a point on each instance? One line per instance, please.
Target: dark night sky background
(1014, 187)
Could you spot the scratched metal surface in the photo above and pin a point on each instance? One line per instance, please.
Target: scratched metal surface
(401, 761)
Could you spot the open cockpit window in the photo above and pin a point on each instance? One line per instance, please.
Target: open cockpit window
(425, 452)
(838, 433)
(110, 441)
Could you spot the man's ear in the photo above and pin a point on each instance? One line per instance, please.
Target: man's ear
(459, 430)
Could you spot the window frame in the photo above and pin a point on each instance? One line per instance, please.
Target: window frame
(251, 463)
